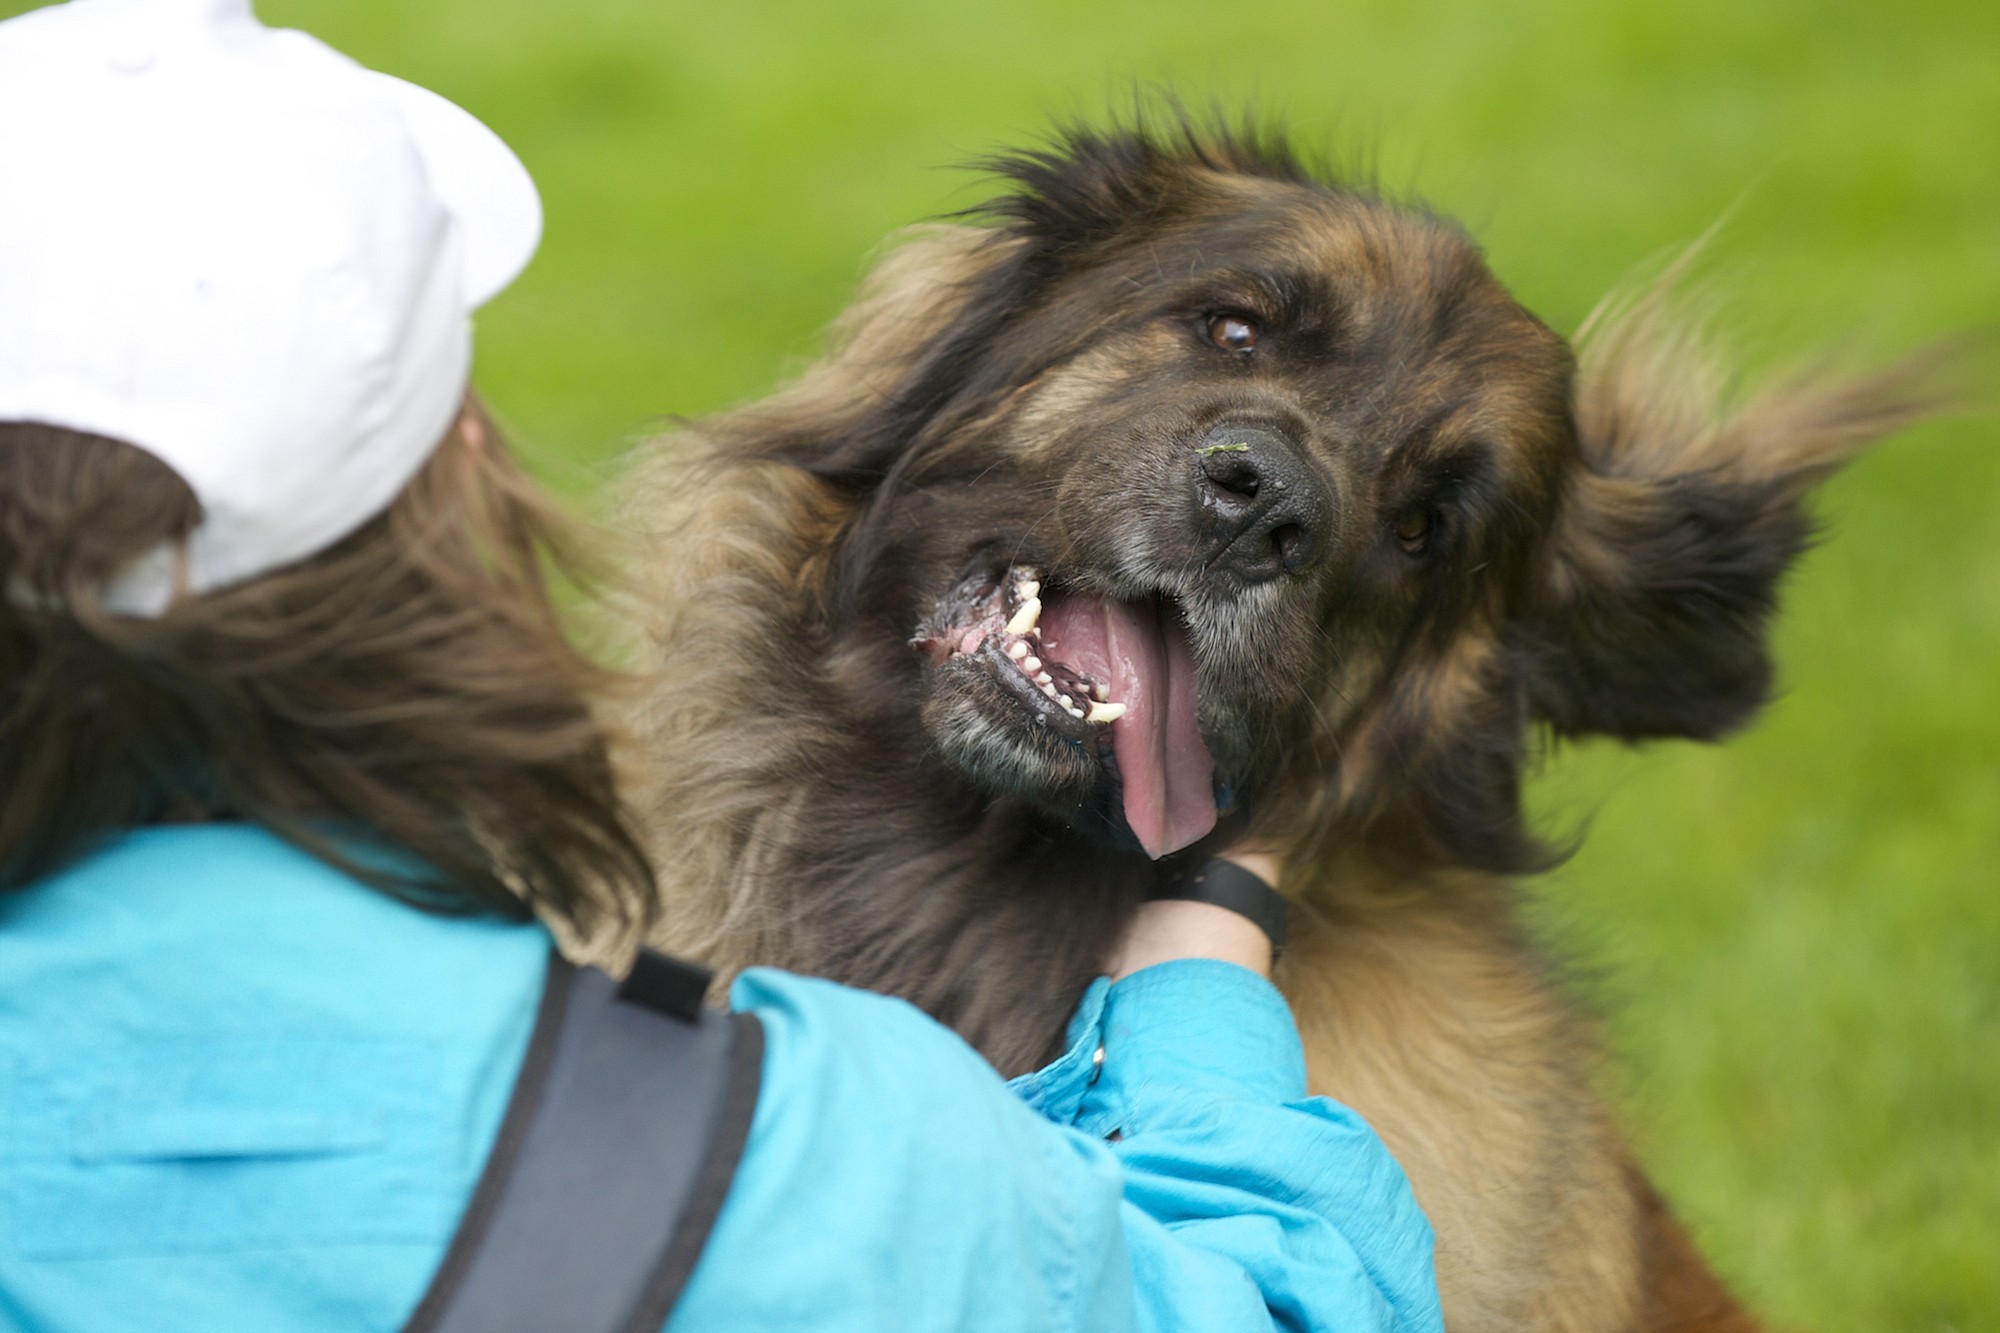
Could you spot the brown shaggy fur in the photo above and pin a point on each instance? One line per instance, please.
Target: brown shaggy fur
(1593, 548)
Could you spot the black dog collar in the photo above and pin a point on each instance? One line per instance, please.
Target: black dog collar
(1226, 884)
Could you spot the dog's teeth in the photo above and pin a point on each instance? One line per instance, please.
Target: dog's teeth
(1073, 711)
(1066, 702)
(1049, 690)
(1017, 650)
(1099, 691)
(1025, 618)
(1030, 590)
(1103, 712)
(1030, 664)
(1044, 678)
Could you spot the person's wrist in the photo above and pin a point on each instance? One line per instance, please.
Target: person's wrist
(1264, 865)
(1171, 930)
(1228, 883)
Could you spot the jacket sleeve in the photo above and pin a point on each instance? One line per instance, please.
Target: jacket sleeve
(893, 1182)
(1247, 1204)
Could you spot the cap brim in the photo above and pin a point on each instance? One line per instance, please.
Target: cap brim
(481, 183)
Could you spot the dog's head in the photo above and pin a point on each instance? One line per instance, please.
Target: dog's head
(1195, 485)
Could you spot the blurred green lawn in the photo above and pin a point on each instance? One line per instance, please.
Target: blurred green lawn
(1795, 937)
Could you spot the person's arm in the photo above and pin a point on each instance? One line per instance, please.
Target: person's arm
(1197, 1081)
(1249, 1205)
(893, 1182)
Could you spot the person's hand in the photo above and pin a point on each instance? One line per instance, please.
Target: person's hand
(1163, 931)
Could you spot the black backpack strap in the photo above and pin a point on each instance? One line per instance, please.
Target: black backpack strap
(627, 1120)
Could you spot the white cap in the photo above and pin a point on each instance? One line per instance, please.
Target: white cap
(237, 249)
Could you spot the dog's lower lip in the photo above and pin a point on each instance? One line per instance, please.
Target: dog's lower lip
(1046, 706)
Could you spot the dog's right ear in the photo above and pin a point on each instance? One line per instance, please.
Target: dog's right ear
(907, 344)
(1679, 518)
(922, 349)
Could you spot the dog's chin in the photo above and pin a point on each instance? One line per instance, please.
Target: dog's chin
(1085, 708)
(1006, 742)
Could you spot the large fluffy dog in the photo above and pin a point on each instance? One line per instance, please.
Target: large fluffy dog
(1191, 495)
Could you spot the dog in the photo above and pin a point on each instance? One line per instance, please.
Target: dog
(1186, 494)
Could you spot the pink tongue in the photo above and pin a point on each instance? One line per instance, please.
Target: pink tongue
(1167, 773)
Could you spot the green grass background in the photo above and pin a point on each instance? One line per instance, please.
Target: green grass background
(1795, 936)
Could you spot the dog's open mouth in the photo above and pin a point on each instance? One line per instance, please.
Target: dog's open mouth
(1081, 665)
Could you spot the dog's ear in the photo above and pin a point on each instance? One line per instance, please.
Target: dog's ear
(1681, 515)
(906, 345)
(923, 346)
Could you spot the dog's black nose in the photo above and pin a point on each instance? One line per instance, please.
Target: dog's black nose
(1260, 508)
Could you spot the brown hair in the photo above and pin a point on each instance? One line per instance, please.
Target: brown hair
(411, 688)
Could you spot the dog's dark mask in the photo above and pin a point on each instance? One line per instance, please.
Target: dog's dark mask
(1197, 486)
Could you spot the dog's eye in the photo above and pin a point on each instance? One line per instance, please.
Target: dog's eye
(1232, 333)
(1413, 529)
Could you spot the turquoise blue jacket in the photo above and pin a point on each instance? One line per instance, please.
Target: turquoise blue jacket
(239, 1090)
